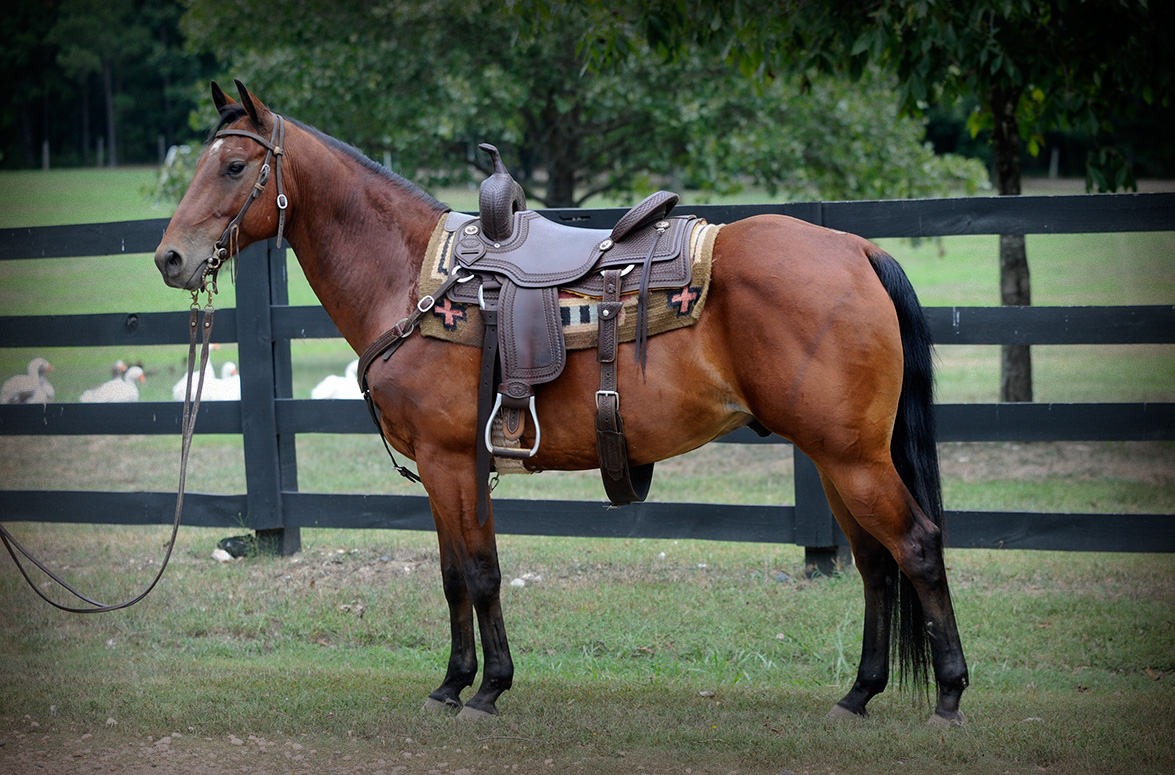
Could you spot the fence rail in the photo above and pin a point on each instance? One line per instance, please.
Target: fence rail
(268, 418)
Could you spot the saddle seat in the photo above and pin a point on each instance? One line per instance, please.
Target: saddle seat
(543, 254)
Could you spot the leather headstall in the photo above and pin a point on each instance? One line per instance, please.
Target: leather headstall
(226, 246)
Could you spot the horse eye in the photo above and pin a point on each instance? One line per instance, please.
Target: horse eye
(236, 168)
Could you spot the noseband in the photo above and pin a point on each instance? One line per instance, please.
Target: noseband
(226, 247)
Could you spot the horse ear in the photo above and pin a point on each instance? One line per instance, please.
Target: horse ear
(253, 106)
(220, 99)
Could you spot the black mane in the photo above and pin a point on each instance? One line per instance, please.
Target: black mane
(370, 164)
(228, 115)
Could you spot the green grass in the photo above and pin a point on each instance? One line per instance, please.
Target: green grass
(66, 196)
(1070, 656)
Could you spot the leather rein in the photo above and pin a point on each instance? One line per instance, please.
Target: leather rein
(200, 330)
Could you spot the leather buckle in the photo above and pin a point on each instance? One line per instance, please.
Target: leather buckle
(611, 393)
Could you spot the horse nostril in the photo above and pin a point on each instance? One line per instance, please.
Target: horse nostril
(174, 260)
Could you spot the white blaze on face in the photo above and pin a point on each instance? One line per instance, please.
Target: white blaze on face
(216, 146)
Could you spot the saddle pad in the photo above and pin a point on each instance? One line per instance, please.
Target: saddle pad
(668, 309)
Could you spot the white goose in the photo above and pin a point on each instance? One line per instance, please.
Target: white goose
(119, 390)
(177, 390)
(30, 388)
(334, 386)
(227, 387)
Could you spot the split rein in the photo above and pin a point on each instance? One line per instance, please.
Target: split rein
(200, 330)
(199, 320)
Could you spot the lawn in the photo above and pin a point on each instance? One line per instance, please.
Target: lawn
(633, 656)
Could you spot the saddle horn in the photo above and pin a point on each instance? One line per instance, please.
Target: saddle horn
(499, 197)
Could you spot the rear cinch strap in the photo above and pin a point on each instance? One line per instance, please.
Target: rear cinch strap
(623, 485)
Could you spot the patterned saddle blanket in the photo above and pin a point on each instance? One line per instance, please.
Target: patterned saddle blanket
(457, 318)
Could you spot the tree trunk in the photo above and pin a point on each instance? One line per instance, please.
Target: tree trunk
(1015, 289)
(85, 124)
(560, 133)
(168, 107)
(108, 95)
(561, 154)
(560, 183)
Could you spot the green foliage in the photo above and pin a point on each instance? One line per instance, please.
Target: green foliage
(77, 72)
(176, 175)
(420, 84)
(823, 139)
(93, 34)
(1074, 65)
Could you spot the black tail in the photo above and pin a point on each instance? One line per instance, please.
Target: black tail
(915, 455)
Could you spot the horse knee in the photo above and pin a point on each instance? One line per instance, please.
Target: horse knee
(483, 577)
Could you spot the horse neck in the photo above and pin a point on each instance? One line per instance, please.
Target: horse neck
(359, 236)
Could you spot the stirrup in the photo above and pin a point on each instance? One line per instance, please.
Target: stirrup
(519, 454)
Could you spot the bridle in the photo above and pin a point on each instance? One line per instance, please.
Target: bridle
(227, 245)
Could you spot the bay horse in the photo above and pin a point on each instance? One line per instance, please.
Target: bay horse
(841, 367)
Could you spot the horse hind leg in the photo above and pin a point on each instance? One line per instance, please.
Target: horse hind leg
(880, 513)
(879, 576)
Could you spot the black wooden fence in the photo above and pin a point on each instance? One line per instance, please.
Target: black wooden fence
(268, 418)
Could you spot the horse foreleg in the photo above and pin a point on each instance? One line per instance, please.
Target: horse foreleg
(485, 581)
(472, 582)
(879, 576)
(463, 649)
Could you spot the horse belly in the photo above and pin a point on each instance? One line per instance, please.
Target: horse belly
(679, 402)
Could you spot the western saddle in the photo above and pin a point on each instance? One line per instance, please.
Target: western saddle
(513, 262)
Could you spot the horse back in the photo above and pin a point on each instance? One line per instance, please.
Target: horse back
(795, 316)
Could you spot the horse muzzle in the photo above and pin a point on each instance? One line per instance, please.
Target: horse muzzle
(179, 271)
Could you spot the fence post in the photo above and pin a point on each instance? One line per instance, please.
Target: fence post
(270, 462)
(825, 545)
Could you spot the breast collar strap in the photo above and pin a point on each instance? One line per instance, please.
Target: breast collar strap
(226, 246)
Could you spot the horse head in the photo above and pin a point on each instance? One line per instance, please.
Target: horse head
(215, 218)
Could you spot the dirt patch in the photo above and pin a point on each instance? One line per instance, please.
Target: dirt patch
(343, 568)
(1150, 462)
(72, 753)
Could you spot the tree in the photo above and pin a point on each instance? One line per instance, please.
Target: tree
(425, 82)
(1031, 65)
(100, 37)
(69, 65)
(23, 61)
